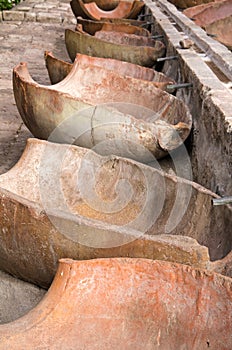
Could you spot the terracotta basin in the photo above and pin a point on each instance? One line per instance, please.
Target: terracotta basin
(210, 14)
(91, 27)
(183, 4)
(58, 69)
(159, 129)
(223, 31)
(124, 9)
(145, 304)
(124, 38)
(46, 214)
(134, 22)
(192, 11)
(86, 44)
(105, 4)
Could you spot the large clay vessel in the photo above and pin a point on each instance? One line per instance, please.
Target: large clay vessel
(79, 42)
(124, 9)
(52, 206)
(214, 12)
(100, 105)
(105, 4)
(183, 4)
(129, 304)
(222, 30)
(58, 69)
(91, 27)
(134, 22)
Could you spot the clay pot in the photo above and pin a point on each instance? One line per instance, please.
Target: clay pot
(183, 4)
(58, 69)
(101, 103)
(124, 9)
(91, 27)
(211, 13)
(105, 4)
(222, 30)
(79, 42)
(127, 304)
(48, 212)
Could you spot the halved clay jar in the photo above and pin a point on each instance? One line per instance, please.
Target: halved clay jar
(91, 27)
(105, 4)
(103, 105)
(134, 22)
(222, 30)
(137, 53)
(183, 4)
(124, 9)
(66, 201)
(213, 12)
(127, 304)
(58, 69)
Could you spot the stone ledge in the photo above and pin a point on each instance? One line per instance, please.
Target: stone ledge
(40, 17)
(217, 52)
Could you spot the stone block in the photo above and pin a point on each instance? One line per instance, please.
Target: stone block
(13, 15)
(24, 8)
(48, 18)
(30, 17)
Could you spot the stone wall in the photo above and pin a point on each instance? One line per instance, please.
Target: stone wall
(209, 100)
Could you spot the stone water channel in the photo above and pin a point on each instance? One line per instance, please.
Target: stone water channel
(207, 65)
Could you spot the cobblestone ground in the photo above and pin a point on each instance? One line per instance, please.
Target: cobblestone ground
(25, 33)
(23, 40)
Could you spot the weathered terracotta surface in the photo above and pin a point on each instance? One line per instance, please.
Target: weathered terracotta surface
(183, 4)
(192, 11)
(38, 224)
(58, 69)
(91, 27)
(159, 129)
(124, 38)
(127, 304)
(212, 13)
(134, 22)
(223, 31)
(124, 9)
(77, 42)
(105, 4)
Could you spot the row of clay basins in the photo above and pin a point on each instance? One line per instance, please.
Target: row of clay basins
(101, 209)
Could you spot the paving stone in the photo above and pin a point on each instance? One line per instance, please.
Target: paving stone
(17, 297)
(45, 6)
(30, 17)
(24, 8)
(48, 18)
(13, 15)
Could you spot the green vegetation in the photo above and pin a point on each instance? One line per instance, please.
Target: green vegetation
(8, 4)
